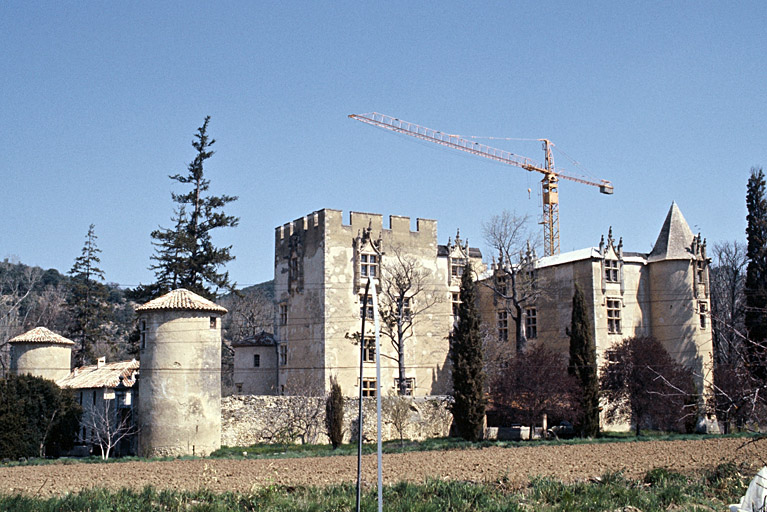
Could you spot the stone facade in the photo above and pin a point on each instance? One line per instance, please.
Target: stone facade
(179, 402)
(321, 267)
(255, 365)
(247, 420)
(664, 294)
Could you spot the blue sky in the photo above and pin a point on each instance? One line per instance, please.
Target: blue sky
(100, 101)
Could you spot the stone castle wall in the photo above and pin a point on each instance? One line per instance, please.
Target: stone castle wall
(251, 419)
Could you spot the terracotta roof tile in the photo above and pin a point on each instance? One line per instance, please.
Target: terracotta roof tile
(108, 376)
(181, 299)
(41, 335)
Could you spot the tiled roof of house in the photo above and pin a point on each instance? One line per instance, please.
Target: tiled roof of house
(41, 335)
(263, 339)
(181, 299)
(105, 376)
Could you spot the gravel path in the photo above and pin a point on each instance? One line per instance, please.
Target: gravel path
(567, 463)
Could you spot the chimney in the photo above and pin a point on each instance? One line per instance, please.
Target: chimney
(101, 361)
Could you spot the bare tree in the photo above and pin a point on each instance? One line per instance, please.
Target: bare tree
(728, 275)
(396, 412)
(514, 281)
(642, 383)
(250, 313)
(300, 416)
(110, 425)
(17, 282)
(536, 383)
(405, 298)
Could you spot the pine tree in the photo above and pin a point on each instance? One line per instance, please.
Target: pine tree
(185, 254)
(87, 301)
(468, 406)
(583, 364)
(756, 275)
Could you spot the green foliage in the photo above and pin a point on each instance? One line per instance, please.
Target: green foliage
(468, 406)
(185, 255)
(756, 276)
(334, 413)
(642, 383)
(37, 418)
(610, 492)
(583, 365)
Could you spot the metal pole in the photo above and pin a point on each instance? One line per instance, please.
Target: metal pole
(378, 397)
(359, 417)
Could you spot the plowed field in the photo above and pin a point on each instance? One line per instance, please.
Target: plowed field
(567, 463)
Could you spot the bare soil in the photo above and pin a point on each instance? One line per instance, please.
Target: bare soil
(518, 465)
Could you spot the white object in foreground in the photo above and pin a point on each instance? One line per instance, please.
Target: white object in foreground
(755, 499)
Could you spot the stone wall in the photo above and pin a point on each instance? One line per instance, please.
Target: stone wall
(251, 419)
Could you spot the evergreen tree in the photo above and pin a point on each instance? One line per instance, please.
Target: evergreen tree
(468, 406)
(37, 418)
(583, 364)
(334, 413)
(185, 254)
(756, 276)
(87, 301)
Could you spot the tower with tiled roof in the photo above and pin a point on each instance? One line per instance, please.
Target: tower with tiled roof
(179, 404)
(42, 353)
(680, 296)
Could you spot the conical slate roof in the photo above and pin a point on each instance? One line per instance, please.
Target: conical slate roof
(675, 238)
(181, 299)
(41, 335)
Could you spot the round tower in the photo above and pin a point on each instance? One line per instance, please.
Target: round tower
(680, 297)
(42, 353)
(179, 401)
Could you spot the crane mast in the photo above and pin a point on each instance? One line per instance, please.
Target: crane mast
(549, 183)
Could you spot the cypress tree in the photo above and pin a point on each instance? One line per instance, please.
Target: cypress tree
(756, 275)
(185, 254)
(468, 406)
(583, 364)
(334, 414)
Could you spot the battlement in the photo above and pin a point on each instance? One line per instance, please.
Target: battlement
(332, 220)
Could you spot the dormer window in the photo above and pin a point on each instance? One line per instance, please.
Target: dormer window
(612, 274)
(457, 265)
(369, 265)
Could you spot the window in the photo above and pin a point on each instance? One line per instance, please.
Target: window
(611, 271)
(213, 322)
(701, 269)
(239, 387)
(283, 314)
(405, 308)
(456, 266)
(81, 398)
(366, 308)
(532, 278)
(613, 316)
(369, 350)
(283, 354)
(503, 325)
(368, 387)
(501, 284)
(94, 397)
(531, 323)
(143, 334)
(409, 385)
(456, 300)
(703, 310)
(369, 265)
(256, 360)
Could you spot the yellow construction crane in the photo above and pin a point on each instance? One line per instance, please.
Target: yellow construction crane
(549, 183)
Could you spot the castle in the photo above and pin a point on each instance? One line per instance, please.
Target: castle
(664, 294)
